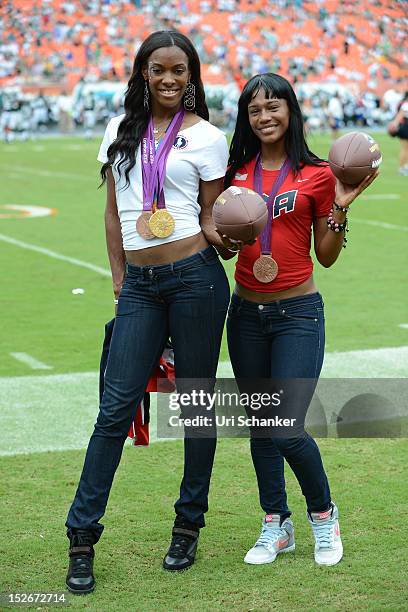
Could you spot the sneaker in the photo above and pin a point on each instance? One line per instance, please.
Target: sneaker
(403, 170)
(326, 530)
(80, 578)
(183, 547)
(274, 539)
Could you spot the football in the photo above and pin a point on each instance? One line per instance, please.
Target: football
(240, 213)
(353, 157)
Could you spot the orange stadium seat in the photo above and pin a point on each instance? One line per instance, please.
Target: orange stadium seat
(298, 34)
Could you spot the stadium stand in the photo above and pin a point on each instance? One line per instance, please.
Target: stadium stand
(53, 48)
(54, 42)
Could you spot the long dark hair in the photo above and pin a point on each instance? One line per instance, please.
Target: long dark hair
(245, 145)
(134, 123)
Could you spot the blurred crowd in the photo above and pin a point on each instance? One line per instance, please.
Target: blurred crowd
(87, 110)
(359, 49)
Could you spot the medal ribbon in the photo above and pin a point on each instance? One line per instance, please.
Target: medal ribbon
(266, 236)
(154, 162)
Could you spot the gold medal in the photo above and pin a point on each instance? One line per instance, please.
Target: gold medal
(265, 269)
(161, 223)
(142, 225)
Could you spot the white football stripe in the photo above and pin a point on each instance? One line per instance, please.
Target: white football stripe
(55, 255)
(382, 224)
(59, 410)
(47, 173)
(31, 362)
(26, 211)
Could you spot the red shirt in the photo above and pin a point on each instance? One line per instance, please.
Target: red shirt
(301, 199)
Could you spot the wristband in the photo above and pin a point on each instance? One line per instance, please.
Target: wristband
(338, 227)
(340, 208)
(116, 301)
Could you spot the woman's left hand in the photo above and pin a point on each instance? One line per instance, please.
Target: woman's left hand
(231, 244)
(346, 194)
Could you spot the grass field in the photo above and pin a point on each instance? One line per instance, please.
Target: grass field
(49, 332)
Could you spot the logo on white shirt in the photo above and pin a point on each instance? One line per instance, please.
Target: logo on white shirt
(181, 142)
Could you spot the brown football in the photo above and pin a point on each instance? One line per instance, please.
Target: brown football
(354, 156)
(240, 213)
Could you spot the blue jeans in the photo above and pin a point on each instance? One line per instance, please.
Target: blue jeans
(186, 300)
(283, 339)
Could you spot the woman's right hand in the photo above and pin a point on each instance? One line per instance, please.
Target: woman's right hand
(116, 291)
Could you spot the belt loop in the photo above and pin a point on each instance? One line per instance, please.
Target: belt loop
(203, 257)
(172, 267)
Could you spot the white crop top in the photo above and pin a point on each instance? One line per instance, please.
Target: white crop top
(198, 152)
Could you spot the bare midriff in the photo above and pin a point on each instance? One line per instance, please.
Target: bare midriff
(256, 296)
(169, 252)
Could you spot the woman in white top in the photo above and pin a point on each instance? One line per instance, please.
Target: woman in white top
(164, 166)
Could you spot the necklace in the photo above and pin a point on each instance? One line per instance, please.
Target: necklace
(159, 128)
(280, 165)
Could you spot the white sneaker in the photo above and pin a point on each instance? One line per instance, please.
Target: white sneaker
(326, 530)
(274, 539)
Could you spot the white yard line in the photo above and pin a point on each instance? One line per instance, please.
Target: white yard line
(57, 412)
(31, 362)
(55, 255)
(388, 226)
(46, 173)
(381, 196)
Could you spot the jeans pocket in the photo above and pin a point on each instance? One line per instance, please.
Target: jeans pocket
(198, 277)
(304, 312)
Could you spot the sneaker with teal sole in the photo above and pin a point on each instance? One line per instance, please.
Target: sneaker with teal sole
(326, 531)
(274, 539)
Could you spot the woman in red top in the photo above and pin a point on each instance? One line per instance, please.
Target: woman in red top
(275, 321)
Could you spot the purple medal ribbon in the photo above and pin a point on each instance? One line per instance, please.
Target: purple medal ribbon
(154, 162)
(266, 236)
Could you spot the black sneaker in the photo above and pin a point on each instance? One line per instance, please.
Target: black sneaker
(80, 578)
(183, 547)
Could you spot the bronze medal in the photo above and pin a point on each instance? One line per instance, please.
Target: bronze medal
(161, 223)
(265, 269)
(142, 225)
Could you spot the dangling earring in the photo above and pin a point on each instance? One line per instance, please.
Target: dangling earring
(146, 98)
(189, 97)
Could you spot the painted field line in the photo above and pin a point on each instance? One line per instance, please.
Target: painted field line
(389, 226)
(57, 412)
(46, 173)
(403, 325)
(368, 363)
(381, 196)
(31, 362)
(55, 255)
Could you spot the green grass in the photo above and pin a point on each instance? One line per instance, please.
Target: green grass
(364, 291)
(367, 479)
(365, 303)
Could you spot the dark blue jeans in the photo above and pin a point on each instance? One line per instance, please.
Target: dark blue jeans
(186, 300)
(282, 340)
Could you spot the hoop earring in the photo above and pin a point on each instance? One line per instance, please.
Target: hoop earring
(146, 98)
(189, 97)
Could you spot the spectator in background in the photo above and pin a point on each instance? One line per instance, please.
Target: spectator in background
(399, 128)
(65, 107)
(336, 114)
